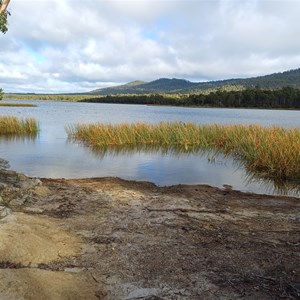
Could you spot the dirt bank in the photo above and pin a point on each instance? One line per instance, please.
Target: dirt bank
(114, 239)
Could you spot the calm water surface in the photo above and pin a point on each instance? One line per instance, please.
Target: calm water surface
(52, 155)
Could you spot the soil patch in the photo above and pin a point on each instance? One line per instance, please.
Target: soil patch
(41, 284)
(30, 240)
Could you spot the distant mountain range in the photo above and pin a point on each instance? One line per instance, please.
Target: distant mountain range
(171, 86)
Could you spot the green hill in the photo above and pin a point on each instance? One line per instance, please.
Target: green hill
(273, 81)
(171, 86)
(120, 89)
(161, 86)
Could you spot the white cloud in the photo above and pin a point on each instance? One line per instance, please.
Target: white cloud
(72, 46)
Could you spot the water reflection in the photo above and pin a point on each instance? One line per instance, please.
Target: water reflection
(273, 185)
(19, 137)
(213, 157)
(176, 151)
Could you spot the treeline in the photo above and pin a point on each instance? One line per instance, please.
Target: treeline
(286, 97)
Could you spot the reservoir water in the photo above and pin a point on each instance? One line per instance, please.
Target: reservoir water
(52, 155)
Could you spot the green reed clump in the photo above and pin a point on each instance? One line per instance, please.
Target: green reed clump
(15, 126)
(273, 152)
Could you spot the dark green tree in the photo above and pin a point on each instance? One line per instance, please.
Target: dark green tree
(3, 15)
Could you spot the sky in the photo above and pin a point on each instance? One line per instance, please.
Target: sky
(70, 46)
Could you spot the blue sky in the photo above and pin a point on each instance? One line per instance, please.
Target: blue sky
(78, 46)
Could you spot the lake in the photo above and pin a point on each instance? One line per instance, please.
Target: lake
(52, 155)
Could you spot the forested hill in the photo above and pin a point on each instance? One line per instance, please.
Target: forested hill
(160, 86)
(171, 86)
(273, 81)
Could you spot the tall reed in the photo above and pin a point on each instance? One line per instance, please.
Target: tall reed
(274, 152)
(14, 126)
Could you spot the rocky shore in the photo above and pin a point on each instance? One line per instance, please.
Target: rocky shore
(106, 238)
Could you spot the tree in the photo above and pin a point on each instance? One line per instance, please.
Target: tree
(3, 15)
(3, 24)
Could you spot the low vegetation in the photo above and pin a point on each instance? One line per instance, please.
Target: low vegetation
(17, 105)
(273, 152)
(48, 97)
(14, 126)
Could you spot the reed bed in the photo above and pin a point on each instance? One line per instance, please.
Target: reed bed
(19, 127)
(273, 152)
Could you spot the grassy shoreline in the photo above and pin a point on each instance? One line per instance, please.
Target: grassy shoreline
(17, 105)
(12, 126)
(273, 152)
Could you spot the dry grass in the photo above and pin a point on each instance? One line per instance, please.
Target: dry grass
(14, 126)
(272, 151)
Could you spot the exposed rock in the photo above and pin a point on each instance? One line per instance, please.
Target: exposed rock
(10, 177)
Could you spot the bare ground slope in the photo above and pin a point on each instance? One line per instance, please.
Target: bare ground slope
(114, 239)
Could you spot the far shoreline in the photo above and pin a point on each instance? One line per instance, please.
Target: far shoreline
(139, 104)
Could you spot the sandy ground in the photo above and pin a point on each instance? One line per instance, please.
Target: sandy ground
(113, 239)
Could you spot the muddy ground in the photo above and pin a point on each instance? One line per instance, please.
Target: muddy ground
(113, 239)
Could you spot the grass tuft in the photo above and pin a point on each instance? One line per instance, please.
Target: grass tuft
(18, 127)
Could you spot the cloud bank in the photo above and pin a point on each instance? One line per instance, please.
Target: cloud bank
(77, 46)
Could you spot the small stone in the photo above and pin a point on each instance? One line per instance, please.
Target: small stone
(18, 201)
(41, 191)
(227, 187)
(37, 181)
(33, 210)
(22, 177)
(25, 185)
(4, 211)
(3, 185)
